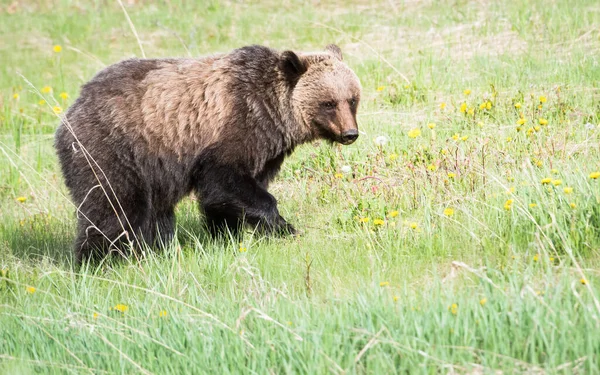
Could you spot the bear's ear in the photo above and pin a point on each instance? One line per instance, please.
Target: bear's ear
(292, 65)
(335, 51)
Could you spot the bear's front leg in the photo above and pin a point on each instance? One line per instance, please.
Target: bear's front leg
(230, 198)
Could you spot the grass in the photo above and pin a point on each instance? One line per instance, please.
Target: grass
(471, 246)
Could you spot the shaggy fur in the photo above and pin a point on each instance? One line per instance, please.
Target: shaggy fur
(145, 133)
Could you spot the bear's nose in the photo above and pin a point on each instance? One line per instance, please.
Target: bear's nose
(349, 136)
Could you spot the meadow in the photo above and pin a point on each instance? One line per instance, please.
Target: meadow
(460, 234)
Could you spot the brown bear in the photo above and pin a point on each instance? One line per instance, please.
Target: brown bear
(144, 133)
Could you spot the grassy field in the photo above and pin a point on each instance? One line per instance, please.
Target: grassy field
(459, 234)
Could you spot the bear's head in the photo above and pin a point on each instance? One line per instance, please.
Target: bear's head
(325, 93)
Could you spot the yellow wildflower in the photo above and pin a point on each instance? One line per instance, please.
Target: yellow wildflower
(517, 105)
(508, 204)
(57, 48)
(508, 139)
(568, 190)
(431, 167)
(483, 301)
(395, 298)
(414, 133)
(510, 190)
(471, 111)
(467, 92)
(448, 211)
(480, 124)
(451, 175)
(442, 105)
(338, 175)
(453, 308)
(488, 105)
(121, 308)
(42, 102)
(378, 222)
(63, 95)
(413, 225)
(573, 205)
(30, 289)
(57, 109)
(521, 121)
(554, 171)
(95, 315)
(21, 199)
(162, 313)
(242, 249)
(384, 283)
(546, 180)
(393, 156)
(380, 88)
(464, 137)
(583, 281)
(543, 99)
(431, 125)
(364, 219)
(482, 105)
(543, 121)
(393, 213)
(536, 257)
(537, 128)
(556, 182)
(456, 136)
(15, 96)
(532, 205)
(46, 90)
(463, 108)
(594, 175)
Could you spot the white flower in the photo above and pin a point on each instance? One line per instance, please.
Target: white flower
(381, 140)
(589, 126)
(346, 169)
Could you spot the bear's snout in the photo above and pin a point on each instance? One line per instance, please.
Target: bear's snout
(349, 136)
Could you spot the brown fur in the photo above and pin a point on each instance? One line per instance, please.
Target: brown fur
(145, 133)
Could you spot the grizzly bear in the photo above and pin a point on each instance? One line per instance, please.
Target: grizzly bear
(144, 133)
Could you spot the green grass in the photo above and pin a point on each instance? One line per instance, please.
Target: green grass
(381, 280)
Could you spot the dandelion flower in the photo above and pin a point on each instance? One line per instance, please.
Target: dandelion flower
(63, 95)
(381, 140)
(453, 308)
(471, 111)
(30, 289)
(556, 182)
(346, 169)
(451, 175)
(95, 315)
(384, 283)
(15, 96)
(21, 199)
(378, 222)
(449, 211)
(543, 99)
(57, 109)
(573, 205)
(242, 249)
(532, 205)
(456, 136)
(162, 313)
(536, 257)
(568, 190)
(546, 181)
(338, 175)
(463, 108)
(57, 48)
(121, 308)
(483, 301)
(508, 204)
(431, 125)
(521, 121)
(482, 105)
(464, 137)
(517, 105)
(364, 219)
(431, 167)
(543, 121)
(42, 102)
(393, 156)
(442, 105)
(46, 90)
(413, 225)
(380, 88)
(537, 128)
(395, 298)
(554, 171)
(583, 281)
(488, 105)
(414, 133)
(594, 175)
(393, 213)
(508, 139)
(467, 92)
(510, 190)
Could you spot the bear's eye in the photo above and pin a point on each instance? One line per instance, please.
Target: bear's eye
(352, 102)
(329, 105)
